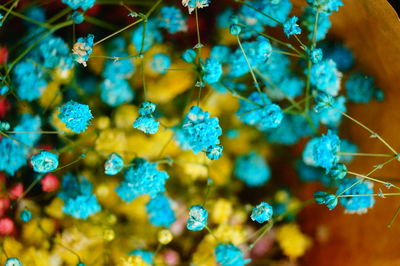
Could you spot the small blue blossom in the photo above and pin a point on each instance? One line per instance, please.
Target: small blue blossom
(323, 25)
(260, 112)
(325, 198)
(75, 4)
(116, 91)
(1, 19)
(160, 212)
(360, 88)
(25, 215)
(12, 155)
(141, 178)
(192, 4)
(339, 53)
(147, 124)
(327, 6)
(235, 29)
(44, 162)
(323, 101)
(114, 164)
(4, 89)
(325, 77)
(147, 256)
(199, 130)
(77, 17)
(262, 212)
(4, 126)
(220, 53)
(83, 49)
(325, 149)
(28, 122)
(189, 55)
(290, 27)
(214, 152)
(29, 80)
(54, 52)
(331, 117)
(252, 169)
(160, 63)
(118, 69)
(76, 116)
(13, 262)
(172, 19)
(147, 108)
(315, 55)
(357, 204)
(229, 255)
(82, 206)
(212, 70)
(198, 217)
(338, 172)
(153, 36)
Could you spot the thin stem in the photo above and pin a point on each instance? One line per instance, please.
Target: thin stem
(31, 186)
(118, 32)
(198, 45)
(211, 233)
(71, 163)
(249, 65)
(394, 217)
(365, 154)
(288, 53)
(373, 134)
(21, 16)
(39, 132)
(9, 10)
(268, 227)
(370, 195)
(259, 11)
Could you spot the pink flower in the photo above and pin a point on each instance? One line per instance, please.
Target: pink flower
(50, 183)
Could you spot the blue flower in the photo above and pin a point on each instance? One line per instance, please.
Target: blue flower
(118, 69)
(198, 217)
(360, 88)
(172, 19)
(147, 124)
(212, 70)
(199, 130)
(357, 204)
(338, 171)
(192, 4)
(315, 55)
(29, 81)
(54, 52)
(327, 6)
(331, 117)
(325, 77)
(160, 212)
(4, 89)
(82, 207)
(229, 255)
(77, 17)
(25, 215)
(141, 178)
(235, 29)
(44, 162)
(290, 27)
(214, 152)
(153, 36)
(75, 4)
(189, 55)
(147, 256)
(83, 49)
(260, 112)
(160, 63)
(220, 53)
(12, 155)
(28, 123)
(116, 91)
(114, 164)
(342, 56)
(13, 262)
(76, 116)
(325, 198)
(147, 108)
(322, 151)
(252, 169)
(347, 146)
(262, 212)
(323, 25)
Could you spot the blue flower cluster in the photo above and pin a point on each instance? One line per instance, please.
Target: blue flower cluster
(357, 204)
(322, 151)
(172, 19)
(252, 169)
(262, 212)
(360, 88)
(83, 49)
(211, 70)
(142, 177)
(327, 6)
(327, 199)
(323, 24)
(29, 80)
(229, 255)
(25, 215)
(79, 201)
(259, 111)
(193, 4)
(75, 4)
(290, 27)
(160, 212)
(76, 116)
(146, 122)
(153, 36)
(114, 164)
(160, 63)
(198, 217)
(116, 91)
(325, 77)
(44, 162)
(199, 131)
(13, 262)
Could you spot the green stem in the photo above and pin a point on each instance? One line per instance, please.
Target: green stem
(21, 16)
(249, 65)
(365, 154)
(372, 179)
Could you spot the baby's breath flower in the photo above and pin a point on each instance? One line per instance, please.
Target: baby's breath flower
(44, 162)
(262, 212)
(198, 217)
(192, 4)
(229, 255)
(76, 116)
(290, 27)
(114, 164)
(82, 49)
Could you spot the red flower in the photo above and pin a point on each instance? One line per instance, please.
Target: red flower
(3, 55)
(50, 183)
(4, 106)
(7, 226)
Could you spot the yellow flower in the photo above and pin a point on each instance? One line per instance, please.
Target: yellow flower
(54, 209)
(132, 261)
(102, 122)
(125, 115)
(32, 234)
(193, 166)
(221, 211)
(111, 140)
(227, 233)
(51, 95)
(204, 254)
(221, 170)
(164, 236)
(292, 241)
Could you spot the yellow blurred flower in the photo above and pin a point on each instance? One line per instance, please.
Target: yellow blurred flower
(132, 261)
(51, 95)
(292, 241)
(125, 115)
(164, 236)
(111, 140)
(221, 212)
